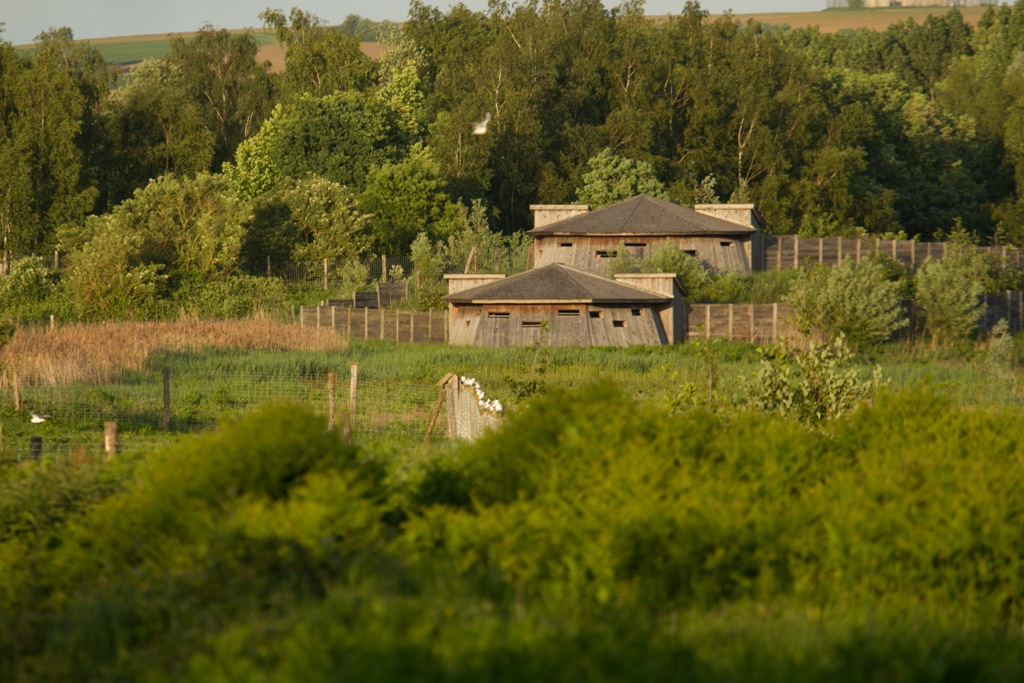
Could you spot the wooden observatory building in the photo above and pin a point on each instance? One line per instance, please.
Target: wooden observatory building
(558, 305)
(727, 237)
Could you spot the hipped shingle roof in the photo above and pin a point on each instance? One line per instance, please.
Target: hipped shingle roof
(643, 215)
(556, 283)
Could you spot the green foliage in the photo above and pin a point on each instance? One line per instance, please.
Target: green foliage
(106, 277)
(327, 218)
(854, 300)
(407, 198)
(30, 292)
(665, 258)
(612, 178)
(814, 385)
(766, 287)
(239, 296)
(947, 294)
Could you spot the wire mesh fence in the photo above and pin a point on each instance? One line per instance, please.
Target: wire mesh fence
(153, 407)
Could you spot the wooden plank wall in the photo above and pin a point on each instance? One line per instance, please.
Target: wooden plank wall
(367, 323)
(787, 252)
(756, 323)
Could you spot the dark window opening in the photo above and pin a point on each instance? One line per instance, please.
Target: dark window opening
(607, 254)
(531, 323)
(726, 244)
(636, 244)
(595, 314)
(636, 311)
(691, 252)
(569, 313)
(565, 244)
(497, 314)
(618, 323)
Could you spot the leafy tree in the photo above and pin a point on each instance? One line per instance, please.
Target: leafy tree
(338, 137)
(153, 128)
(855, 300)
(406, 198)
(222, 77)
(318, 60)
(612, 178)
(947, 294)
(327, 218)
(666, 258)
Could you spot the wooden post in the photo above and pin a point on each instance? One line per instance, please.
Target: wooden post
(383, 272)
(381, 311)
(796, 252)
(821, 251)
(35, 447)
(751, 323)
(16, 390)
(56, 259)
(366, 323)
(348, 324)
(730, 321)
(334, 321)
(353, 394)
(858, 249)
(775, 322)
(325, 275)
(330, 400)
(707, 321)
(268, 265)
(167, 399)
(398, 327)
(110, 439)
(318, 317)
(53, 321)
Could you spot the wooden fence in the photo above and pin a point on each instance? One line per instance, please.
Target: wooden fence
(770, 323)
(787, 252)
(379, 323)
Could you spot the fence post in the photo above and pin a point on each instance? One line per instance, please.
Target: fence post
(35, 447)
(383, 273)
(796, 252)
(330, 400)
(56, 259)
(268, 265)
(353, 394)
(348, 325)
(751, 323)
(334, 322)
(110, 439)
(325, 275)
(167, 399)
(775, 322)
(381, 311)
(366, 323)
(730, 321)
(16, 390)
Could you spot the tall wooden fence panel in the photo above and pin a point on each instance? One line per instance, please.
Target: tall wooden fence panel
(771, 323)
(379, 323)
(756, 323)
(787, 252)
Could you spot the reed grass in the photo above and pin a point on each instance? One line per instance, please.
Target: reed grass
(98, 352)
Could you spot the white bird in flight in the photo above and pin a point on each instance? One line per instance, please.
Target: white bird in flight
(39, 419)
(480, 127)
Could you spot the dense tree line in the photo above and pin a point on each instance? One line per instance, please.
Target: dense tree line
(914, 129)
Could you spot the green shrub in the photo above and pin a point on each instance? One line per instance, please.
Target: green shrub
(855, 300)
(236, 297)
(29, 291)
(813, 385)
(947, 293)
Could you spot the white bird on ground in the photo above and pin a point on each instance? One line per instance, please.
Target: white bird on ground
(480, 127)
(39, 419)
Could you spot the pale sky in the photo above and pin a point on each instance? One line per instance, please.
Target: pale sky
(25, 19)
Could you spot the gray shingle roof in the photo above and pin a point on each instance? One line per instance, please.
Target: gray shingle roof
(643, 215)
(553, 284)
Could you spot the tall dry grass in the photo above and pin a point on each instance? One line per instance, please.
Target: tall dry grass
(97, 352)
